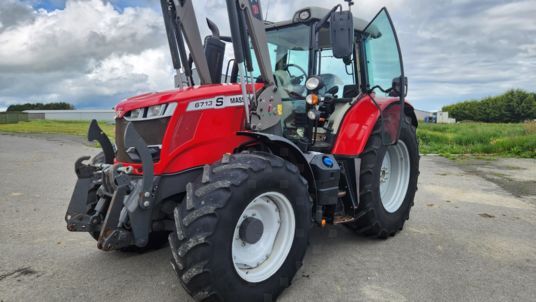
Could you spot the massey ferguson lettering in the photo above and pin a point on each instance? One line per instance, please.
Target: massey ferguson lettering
(216, 103)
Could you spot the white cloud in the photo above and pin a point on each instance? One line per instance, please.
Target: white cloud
(93, 54)
(86, 51)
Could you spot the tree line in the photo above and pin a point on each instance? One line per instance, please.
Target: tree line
(41, 106)
(511, 107)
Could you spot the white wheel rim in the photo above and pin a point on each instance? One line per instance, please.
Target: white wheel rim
(394, 176)
(259, 261)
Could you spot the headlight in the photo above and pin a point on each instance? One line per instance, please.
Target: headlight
(170, 109)
(153, 112)
(304, 15)
(137, 114)
(312, 99)
(313, 83)
(313, 114)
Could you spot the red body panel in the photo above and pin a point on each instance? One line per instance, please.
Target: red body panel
(196, 138)
(193, 138)
(359, 122)
(178, 95)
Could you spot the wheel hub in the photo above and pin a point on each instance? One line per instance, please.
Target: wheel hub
(251, 230)
(263, 236)
(384, 175)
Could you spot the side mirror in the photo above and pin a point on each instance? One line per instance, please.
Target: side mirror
(400, 87)
(342, 34)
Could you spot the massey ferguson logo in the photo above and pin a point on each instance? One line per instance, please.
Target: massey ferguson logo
(216, 103)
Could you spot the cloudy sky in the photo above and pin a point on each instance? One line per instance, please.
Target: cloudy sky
(94, 53)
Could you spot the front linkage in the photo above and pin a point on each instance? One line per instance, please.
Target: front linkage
(109, 203)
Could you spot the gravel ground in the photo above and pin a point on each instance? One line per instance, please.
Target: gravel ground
(471, 237)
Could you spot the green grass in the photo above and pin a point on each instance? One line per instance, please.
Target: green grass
(480, 139)
(74, 128)
(475, 139)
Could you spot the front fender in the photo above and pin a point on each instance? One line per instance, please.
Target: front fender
(287, 150)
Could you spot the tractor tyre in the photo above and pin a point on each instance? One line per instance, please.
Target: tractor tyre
(242, 230)
(388, 182)
(156, 239)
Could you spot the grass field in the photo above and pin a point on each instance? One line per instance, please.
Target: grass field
(75, 128)
(508, 140)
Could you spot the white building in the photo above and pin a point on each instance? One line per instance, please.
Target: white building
(443, 118)
(72, 115)
(422, 115)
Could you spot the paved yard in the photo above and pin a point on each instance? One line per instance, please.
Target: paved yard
(471, 237)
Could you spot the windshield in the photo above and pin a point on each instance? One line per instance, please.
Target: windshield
(289, 56)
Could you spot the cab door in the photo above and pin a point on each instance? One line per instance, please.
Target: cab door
(384, 72)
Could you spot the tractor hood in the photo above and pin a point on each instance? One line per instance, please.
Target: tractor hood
(179, 95)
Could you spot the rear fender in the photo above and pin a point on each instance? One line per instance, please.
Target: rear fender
(287, 150)
(359, 121)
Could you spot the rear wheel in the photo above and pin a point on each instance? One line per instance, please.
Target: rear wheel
(242, 230)
(388, 182)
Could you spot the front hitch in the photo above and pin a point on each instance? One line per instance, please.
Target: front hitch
(132, 200)
(95, 133)
(76, 217)
(119, 212)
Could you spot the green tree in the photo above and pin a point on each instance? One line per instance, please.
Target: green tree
(513, 106)
(41, 106)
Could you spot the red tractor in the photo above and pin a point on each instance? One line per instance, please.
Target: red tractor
(308, 125)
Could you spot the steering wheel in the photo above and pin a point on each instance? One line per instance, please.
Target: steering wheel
(296, 81)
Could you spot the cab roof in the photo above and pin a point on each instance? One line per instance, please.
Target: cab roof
(317, 13)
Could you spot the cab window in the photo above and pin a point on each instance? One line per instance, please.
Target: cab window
(334, 72)
(289, 56)
(383, 60)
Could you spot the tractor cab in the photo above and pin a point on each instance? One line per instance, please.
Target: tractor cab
(303, 48)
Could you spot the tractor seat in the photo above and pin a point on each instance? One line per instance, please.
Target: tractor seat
(350, 91)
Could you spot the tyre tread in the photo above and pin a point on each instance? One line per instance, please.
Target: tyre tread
(188, 243)
(368, 223)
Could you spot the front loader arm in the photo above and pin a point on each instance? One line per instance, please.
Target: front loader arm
(264, 108)
(257, 32)
(245, 19)
(185, 24)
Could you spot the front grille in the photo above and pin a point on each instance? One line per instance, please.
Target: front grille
(152, 132)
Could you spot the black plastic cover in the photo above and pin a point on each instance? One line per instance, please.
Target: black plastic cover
(214, 51)
(327, 178)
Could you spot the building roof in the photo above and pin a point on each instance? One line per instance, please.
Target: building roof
(71, 111)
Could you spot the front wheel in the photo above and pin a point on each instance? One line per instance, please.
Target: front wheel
(388, 182)
(242, 230)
